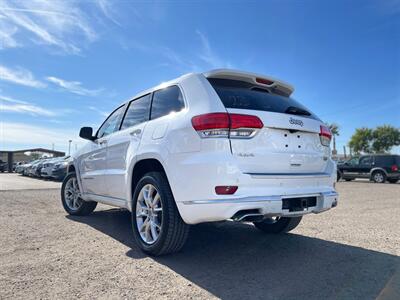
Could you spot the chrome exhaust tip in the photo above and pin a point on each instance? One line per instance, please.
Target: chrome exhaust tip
(250, 215)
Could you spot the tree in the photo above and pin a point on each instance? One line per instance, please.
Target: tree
(361, 140)
(334, 128)
(385, 137)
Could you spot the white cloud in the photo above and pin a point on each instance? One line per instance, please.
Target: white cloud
(8, 104)
(24, 134)
(108, 10)
(179, 61)
(101, 112)
(73, 86)
(19, 76)
(7, 33)
(208, 55)
(62, 24)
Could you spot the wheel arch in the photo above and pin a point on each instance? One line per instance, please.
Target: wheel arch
(140, 168)
(71, 168)
(374, 170)
(377, 169)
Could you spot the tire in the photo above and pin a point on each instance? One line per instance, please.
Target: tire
(338, 177)
(165, 232)
(72, 203)
(349, 179)
(280, 225)
(393, 180)
(378, 177)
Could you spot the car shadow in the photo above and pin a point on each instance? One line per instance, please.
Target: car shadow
(236, 261)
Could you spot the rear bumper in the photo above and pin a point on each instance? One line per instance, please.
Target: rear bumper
(199, 211)
(393, 175)
(194, 176)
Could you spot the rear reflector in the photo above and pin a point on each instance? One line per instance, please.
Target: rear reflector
(264, 81)
(325, 135)
(226, 125)
(226, 189)
(394, 168)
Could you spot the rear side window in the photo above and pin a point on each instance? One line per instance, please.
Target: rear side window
(245, 95)
(366, 160)
(384, 160)
(166, 101)
(138, 112)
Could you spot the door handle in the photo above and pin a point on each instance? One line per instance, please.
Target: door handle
(135, 132)
(103, 142)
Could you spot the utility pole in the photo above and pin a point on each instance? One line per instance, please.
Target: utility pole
(344, 151)
(69, 147)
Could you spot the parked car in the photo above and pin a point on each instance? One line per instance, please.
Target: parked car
(376, 167)
(21, 169)
(3, 166)
(205, 147)
(37, 168)
(29, 168)
(48, 167)
(59, 170)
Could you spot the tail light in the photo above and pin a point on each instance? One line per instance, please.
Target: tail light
(226, 125)
(325, 135)
(394, 168)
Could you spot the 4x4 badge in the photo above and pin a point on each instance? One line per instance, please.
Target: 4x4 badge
(296, 122)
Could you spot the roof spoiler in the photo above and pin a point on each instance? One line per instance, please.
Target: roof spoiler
(275, 85)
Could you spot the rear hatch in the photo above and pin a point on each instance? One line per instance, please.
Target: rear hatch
(289, 141)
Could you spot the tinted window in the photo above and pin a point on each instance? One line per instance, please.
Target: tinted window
(353, 161)
(245, 95)
(112, 123)
(166, 101)
(138, 112)
(366, 160)
(384, 160)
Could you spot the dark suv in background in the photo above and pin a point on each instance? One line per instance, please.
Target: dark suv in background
(376, 167)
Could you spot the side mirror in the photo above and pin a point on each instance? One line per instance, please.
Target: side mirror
(87, 133)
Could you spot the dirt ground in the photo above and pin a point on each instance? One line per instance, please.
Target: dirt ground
(350, 252)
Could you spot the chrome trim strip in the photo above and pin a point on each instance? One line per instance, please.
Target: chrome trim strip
(259, 198)
(288, 175)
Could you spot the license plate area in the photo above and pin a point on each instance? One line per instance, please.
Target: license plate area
(299, 203)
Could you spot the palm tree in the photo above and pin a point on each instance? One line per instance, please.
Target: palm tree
(334, 128)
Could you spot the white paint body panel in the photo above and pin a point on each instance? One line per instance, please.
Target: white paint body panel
(194, 166)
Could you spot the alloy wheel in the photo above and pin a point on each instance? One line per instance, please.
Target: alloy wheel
(378, 177)
(72, 194)
(149, 214)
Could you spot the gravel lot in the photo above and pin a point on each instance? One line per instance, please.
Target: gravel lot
(351, 252)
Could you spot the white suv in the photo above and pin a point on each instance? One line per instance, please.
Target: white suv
(221, 145)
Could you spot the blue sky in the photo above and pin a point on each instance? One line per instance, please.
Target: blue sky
(66, 64)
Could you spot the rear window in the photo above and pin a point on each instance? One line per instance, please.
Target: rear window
(384, 160)
(245, 95)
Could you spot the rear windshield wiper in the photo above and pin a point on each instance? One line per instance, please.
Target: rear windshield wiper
(297, 111)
